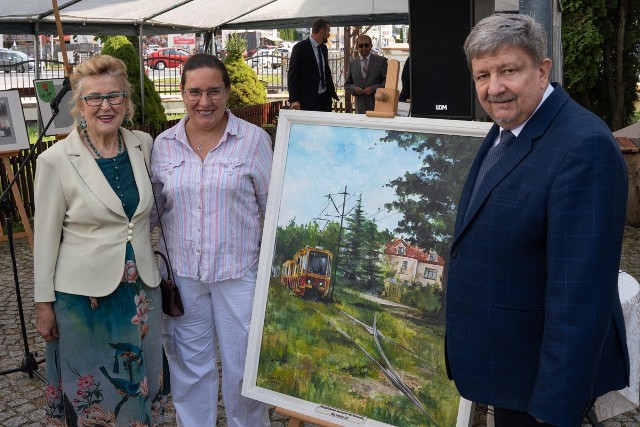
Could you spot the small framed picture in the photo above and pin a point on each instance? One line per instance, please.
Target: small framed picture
(13, 130)
(348, 322)
(46, 91)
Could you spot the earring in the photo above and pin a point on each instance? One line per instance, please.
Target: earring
(126, 122)
(82, 123)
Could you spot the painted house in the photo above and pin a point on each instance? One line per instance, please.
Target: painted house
(413, 264)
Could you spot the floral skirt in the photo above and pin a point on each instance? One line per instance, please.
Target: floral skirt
(106, 368)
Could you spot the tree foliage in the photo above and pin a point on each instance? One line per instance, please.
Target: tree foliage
(246, 88)
(601, 47)
(360, 262)
(428, 198)
(288, 34)
(122, 48)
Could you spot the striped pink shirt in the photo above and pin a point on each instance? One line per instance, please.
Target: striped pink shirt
(212, 210)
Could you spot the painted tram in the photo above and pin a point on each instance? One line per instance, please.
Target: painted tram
(308, 274)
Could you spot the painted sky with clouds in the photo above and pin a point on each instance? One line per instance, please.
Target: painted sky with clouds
(322, 160)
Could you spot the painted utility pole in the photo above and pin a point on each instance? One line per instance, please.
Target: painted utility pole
(340, 214)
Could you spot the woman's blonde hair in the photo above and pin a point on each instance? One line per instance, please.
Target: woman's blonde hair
(99, 65)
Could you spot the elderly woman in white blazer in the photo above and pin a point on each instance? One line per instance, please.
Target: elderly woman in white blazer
(96, 282)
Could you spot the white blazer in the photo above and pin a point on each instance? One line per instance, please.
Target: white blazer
(80, 227)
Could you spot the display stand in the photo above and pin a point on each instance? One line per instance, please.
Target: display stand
(387, 96)
(298, 420)
(28, 233)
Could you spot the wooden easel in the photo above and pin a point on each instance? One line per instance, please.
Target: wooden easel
(387, 96)
(28, 233)
(298, 420)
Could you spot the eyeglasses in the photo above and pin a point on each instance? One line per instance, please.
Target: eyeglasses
(214, 94)
(361, 45)
(113, 98)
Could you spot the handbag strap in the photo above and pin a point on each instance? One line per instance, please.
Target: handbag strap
(167, 259)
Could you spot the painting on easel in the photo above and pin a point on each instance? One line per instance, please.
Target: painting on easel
(348, 313)
(13, 131)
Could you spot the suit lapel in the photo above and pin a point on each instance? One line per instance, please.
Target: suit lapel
(520, 148)
(315, 60)
(140, 172)
(90, 173)
(357, 73)
(471, 179)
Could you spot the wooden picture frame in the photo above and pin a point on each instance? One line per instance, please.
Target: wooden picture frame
(46, 91)
(346, 324)
(13, 130)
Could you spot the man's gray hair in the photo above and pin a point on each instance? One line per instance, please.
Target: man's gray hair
(503, 30)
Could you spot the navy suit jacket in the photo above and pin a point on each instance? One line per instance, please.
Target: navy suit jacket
(534, 321)
(376, 77)
(303, 77)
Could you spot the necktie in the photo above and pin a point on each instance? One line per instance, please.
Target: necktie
(494, 154)
(321, 66)
(365, 69)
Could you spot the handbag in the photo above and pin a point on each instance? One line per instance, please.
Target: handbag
(171, 300)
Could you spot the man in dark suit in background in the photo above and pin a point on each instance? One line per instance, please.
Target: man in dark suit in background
(405, 78)
(309, 78)
(534, 323)
(365, 74)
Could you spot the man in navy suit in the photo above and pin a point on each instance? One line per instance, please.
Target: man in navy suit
(365, 74)
(309, 77)
(534, 322)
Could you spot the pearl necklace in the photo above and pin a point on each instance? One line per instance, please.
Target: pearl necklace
(93, 147)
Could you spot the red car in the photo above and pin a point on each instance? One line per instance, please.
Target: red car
(167, 57)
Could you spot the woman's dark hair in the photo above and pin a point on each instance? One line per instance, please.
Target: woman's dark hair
(204, 60)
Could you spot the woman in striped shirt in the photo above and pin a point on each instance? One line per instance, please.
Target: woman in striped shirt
(210, 174)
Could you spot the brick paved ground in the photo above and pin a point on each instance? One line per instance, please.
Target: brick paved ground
(21, 397)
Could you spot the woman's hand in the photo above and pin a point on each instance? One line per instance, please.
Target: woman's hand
(46, 321)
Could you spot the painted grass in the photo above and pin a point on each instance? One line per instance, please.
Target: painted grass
(303, 355)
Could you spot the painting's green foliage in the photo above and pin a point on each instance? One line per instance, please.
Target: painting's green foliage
(120, 47)
(361, 249)
(246, 88)
(318, 353)
(427, 198)
(425, 298)
(601, 48)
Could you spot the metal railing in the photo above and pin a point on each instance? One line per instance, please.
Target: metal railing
(21, 75)
(271, 69)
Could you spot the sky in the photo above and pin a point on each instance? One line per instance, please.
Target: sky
(323, 160)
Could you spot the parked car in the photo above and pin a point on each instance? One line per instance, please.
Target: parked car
(15, 60)
(265, 59)
(167, 57)
(261, 48)
(152, 48)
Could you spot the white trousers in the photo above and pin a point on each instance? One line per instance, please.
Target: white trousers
(215, 313)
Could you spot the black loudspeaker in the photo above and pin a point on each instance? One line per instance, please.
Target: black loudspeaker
(441, 84)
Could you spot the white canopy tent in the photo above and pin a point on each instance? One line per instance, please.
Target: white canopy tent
(121, 17)
(300, 13)
(136, 17)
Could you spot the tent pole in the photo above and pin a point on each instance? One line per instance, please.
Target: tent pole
(67, 69)
(141, 53)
